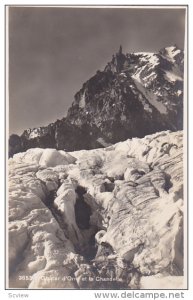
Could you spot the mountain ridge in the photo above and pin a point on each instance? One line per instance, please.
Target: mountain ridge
(136, 94)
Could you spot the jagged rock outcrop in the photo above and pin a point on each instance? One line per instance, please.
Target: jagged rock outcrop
(103, 218)
(136, 94)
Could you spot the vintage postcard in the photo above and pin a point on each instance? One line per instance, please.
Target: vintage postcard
(97, 147)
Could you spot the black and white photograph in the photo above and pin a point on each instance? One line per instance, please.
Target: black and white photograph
(97, 147)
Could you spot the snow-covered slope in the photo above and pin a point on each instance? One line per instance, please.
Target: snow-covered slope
(103, 218)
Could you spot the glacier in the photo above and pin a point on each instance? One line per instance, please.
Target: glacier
(114, 214)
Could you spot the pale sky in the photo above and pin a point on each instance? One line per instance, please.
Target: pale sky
(53, 51)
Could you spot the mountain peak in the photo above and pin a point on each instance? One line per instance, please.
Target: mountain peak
(171, 52)
(120, 50)
(136, 94)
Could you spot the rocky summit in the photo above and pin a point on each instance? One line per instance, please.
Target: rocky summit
(109, 218)
(136, 94)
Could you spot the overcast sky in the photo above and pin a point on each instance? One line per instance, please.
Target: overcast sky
(53, 51)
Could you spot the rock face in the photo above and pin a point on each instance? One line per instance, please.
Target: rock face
(103, 218)
(136, 94)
